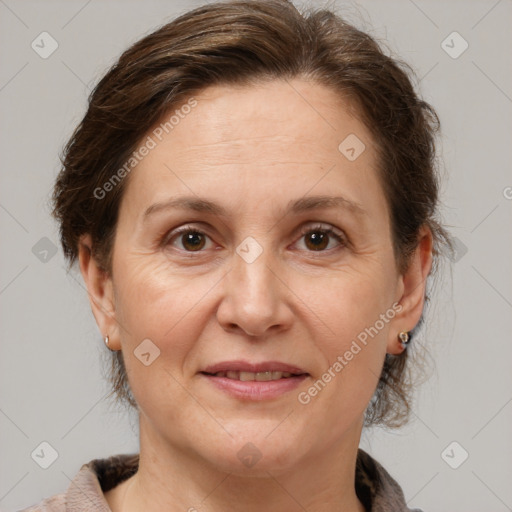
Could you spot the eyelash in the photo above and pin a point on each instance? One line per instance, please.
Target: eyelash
(304, 231)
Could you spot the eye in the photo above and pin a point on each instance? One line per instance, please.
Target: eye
(318, 237)
(194, 240)
(191, 239)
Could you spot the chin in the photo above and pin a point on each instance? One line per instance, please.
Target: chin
(256, 455)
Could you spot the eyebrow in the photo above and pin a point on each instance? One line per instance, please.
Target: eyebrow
(301, 205)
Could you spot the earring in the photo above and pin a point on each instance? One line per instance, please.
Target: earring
(107, 341)
(404, 338)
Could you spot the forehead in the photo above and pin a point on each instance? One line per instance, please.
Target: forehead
(272, 111)
(279, 138)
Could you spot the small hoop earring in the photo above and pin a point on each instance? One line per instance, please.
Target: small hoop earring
(404, 338)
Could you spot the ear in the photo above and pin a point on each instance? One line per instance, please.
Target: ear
(411, 291)
(101, 293)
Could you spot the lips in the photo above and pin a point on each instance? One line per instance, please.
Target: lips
(247, 381)
(254, 381)
(257, 376)
(247, 371)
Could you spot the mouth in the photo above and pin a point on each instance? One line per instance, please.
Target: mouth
(247, 371)
(254, 381)
(254, 376)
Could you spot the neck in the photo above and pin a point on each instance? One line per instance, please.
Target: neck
(171, 478)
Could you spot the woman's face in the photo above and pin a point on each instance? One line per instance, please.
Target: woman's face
(257, 280)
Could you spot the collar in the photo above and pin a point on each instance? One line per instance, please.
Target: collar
(375, 487)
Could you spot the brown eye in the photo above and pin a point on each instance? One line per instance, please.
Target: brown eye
(187, 239)
(317, 238)
(193, 240)
(318, 241)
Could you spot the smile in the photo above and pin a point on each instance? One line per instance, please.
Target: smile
(253, 376)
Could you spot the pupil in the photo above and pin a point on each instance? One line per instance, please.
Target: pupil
(192, 239)
(319, 240)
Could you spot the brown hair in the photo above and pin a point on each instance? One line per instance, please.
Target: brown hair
(243, 42)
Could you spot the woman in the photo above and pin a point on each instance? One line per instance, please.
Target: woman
(252, 199)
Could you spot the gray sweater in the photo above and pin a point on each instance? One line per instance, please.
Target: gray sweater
(375, 487)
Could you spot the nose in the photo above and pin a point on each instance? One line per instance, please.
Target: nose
(255, 297)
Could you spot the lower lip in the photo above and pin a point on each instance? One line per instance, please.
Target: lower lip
(255, 390)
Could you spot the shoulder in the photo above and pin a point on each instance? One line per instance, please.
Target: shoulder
(376, 488)
(86, 490)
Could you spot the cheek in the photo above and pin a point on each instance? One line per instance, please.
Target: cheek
(155, 299)
(353, 302)
(357, 313)
(353, 358)
(166, 306)
(168, 309)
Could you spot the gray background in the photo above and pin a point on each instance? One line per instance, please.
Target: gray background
(52, 387)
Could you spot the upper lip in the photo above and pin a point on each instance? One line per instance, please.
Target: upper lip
(246, 366)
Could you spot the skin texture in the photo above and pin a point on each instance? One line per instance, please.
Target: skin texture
(253, 150)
